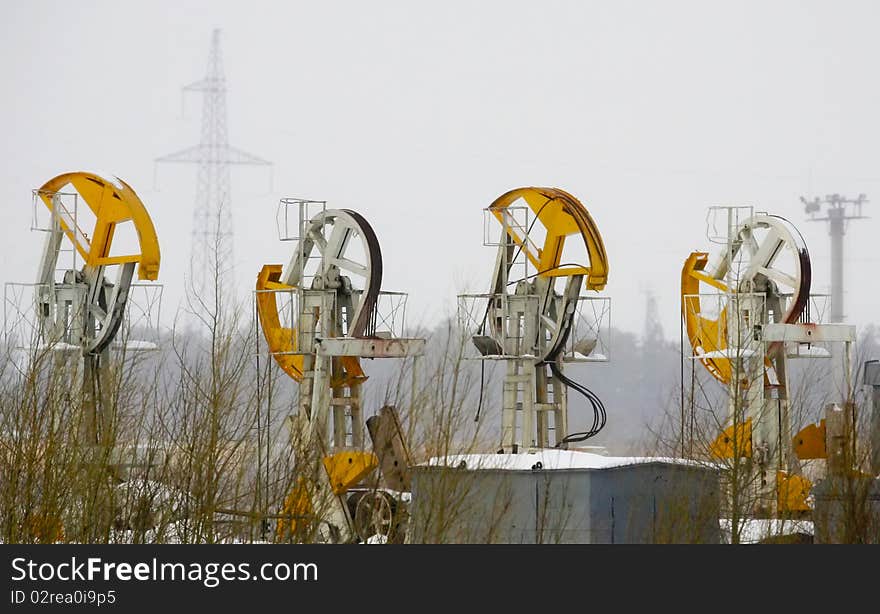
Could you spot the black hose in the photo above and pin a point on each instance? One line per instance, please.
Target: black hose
(482, 385)
(554, 359)
(599, 413)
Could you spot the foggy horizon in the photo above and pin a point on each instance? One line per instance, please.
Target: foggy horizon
(419, 117)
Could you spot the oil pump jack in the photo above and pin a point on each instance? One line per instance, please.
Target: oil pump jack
(332, 286)
(745, 312)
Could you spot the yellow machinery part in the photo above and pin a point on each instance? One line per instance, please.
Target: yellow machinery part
(351, 372)
(704, 333)
(282, 340)
(728, 446)
(562, 215)
(792, 492)
(347, 468)
(297, 508)
(810, 442)
(112, 203)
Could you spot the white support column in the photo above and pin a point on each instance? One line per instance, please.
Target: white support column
(508, 410)
(528, 406)
(560, 420)
(542, 419)
(338, 403)
(356, 416)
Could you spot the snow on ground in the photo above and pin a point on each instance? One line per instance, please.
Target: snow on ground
(754, 530)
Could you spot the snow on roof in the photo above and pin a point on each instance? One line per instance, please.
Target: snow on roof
(597, 357)
(551, 459)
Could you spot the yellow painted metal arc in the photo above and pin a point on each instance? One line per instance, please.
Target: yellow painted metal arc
(282, 340)
(563, 216)
(705, 334)
(113, 202)
(345, 469)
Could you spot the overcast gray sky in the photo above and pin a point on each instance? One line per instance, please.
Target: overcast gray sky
(419, 114)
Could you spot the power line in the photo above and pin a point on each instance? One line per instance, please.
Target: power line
(839, 210)
(211, 246)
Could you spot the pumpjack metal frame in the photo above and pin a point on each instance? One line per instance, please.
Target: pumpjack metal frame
(746, 347)
(530, 327)
(330, 334)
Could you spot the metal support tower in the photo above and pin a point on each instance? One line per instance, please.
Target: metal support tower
(332, 287)
(840, 209)
(212, 260)
(531, 313)
(81, 312)
(744, 331)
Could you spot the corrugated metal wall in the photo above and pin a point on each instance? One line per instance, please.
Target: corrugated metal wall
(645, 503)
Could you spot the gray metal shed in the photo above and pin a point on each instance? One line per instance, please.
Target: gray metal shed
(847, 510)
(562, 496)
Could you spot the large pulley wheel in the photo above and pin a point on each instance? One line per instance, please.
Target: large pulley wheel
(767, 239)
(338, 250)
(767, 256)
(348, 258)
(374, 514)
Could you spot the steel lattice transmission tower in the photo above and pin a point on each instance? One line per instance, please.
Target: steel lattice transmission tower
(840, 209)
(211, 262)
